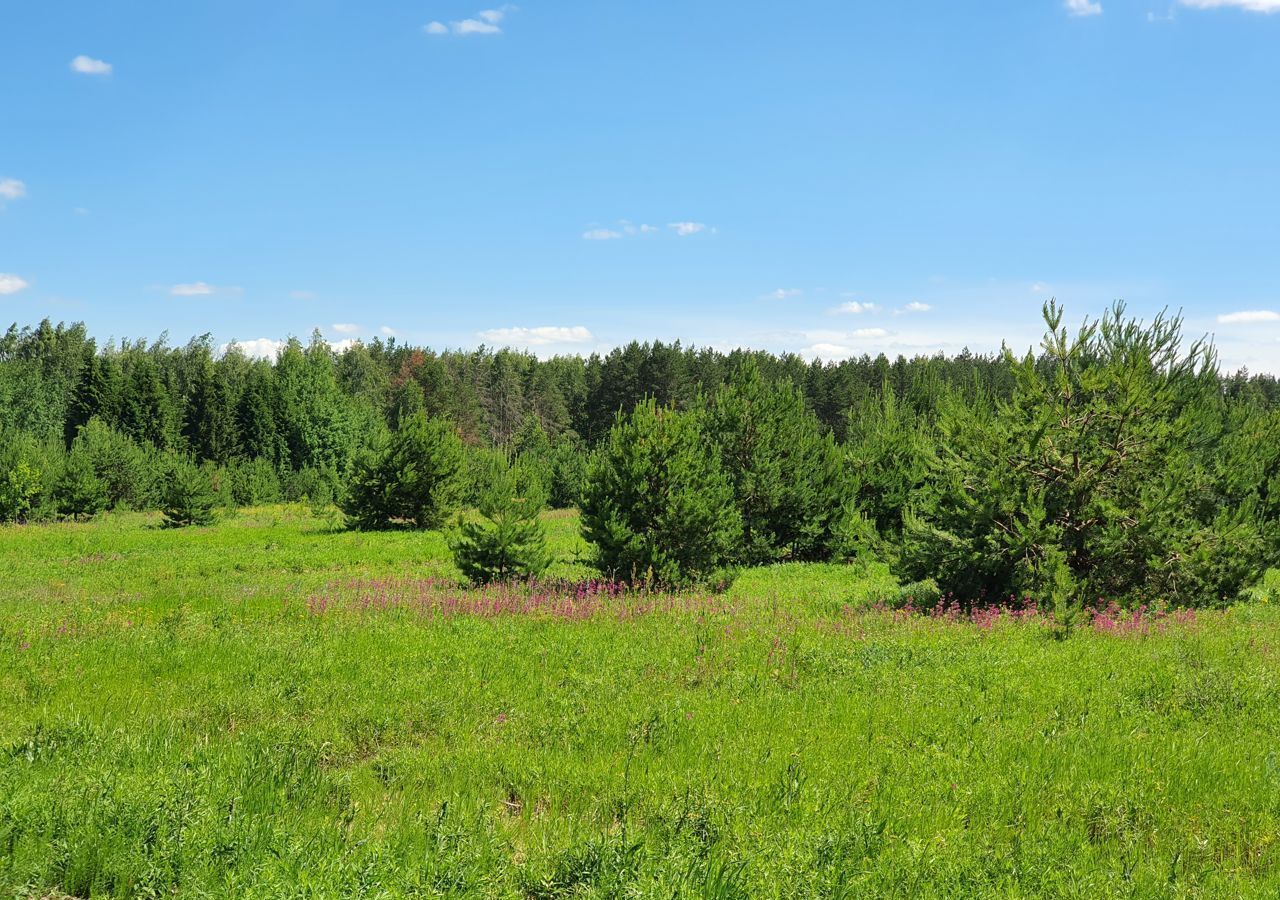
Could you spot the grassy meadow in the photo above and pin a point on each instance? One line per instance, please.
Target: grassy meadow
(275, 708)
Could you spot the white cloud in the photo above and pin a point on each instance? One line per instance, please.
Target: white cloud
(842, 344)
(258, 348)
(684, 229)
(915, 306)
(853, 307)
(624, 228)
(784, 294)
(1083, 7)
(1039, 287)
(269, 348)
(475, 26)
(388, 331)
(87, 65)
(538, 337)
(827, 350)
(195, 289)
(200, 289)
(11, 189)
(487, 21)
(11, 284)
(1259, 6)
(632, 229)
(1248, 317)
(347, 328)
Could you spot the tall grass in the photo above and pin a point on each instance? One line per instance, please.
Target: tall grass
(268, 708)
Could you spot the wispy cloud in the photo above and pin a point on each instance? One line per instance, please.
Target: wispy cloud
(87, 65)
(388, 331)
(915, 306)
(1083, 7)
(11, 284)
(784, 294)
(1249, 317)
(684, 229)
(487, 21)
(538, 337)
(11, 189)
(854, 308)
(624, 228)
(347, 328)
(1258, 6)
(200, 289)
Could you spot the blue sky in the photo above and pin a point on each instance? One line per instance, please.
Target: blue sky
(830, 178)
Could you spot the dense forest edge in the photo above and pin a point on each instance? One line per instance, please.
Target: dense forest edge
(1116, 464)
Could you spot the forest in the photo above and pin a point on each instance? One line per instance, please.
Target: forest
(1116, 462)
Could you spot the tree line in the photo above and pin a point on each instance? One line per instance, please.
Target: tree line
(1116, 462)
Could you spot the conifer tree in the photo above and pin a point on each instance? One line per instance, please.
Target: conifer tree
(1089, 481)
(416, 478)
(791, 487)
(80, 492)
(657, 506)
(509, 542)
(189, 497)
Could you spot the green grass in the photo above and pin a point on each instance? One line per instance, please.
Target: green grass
(181, 715)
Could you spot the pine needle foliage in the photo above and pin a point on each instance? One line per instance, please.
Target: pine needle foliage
(658, 506)
(792, 485)
(1094, 479)
(415, 479)
(190, 498)
(509, 541)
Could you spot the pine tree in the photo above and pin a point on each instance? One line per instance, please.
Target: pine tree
(791, 487)
(657, 506)
(189, 497)
(80, 492)
(509, 542)
(415, 479)
(1091, 480)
